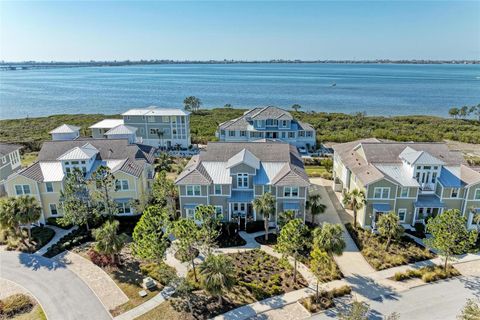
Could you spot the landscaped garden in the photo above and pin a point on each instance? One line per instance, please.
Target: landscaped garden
(325, 299)
(373, 248)
(21, 307)
(128, 272)
(427, 274)
(40, 236)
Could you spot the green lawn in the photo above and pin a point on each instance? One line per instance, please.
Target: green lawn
(316, 171)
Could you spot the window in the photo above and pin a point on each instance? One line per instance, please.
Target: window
(476, 196)
(454, 193)
(284, 135)
(151, 119)
(218, 210)
(153, 131)
(266, 188)
(243, 133)
(309, 133)
(4, 159)
(402, 213)
(290, 192)
(434, 177)
(121, 185)
(123, 207)
(165, 119)
(22, 189)
(381, 193)
(291, 134)
(404, 192)
(231, 133)
(193, 190)
(284, 123)
(190, 213)
(53, 209)
(218, 189)
(49, 186)
(222, 132)
(242, 180)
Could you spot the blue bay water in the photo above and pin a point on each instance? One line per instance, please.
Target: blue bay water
(377, 89)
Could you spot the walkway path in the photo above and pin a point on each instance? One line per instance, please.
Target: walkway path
(351, 262)
(100, 282)
(59, 233)
(259, 307)
(61, 293)
(147, 306)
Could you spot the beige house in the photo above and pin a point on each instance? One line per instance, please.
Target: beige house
(414, 180)
(231, 175)
(131, 165)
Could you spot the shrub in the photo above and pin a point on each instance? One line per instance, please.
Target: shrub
(161, 272)
(427, 274)
(341, 291)
(99, 259)
(255, 226)
(14, 305)
(75, 237)
(52, 221)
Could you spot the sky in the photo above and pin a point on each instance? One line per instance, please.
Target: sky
(240, 30)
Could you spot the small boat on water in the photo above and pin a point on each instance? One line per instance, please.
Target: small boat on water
(333, 84)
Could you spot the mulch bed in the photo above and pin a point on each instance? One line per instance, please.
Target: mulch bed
(272, 239)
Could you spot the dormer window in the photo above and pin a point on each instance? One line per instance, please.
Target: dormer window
(242, 180)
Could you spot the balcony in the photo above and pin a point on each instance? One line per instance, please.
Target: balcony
(427, 188)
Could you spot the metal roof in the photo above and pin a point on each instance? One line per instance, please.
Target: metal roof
(413, 156)
(85, 152)
(52, 171)
(155, 111)
(382, 207)
(246, 157)
(218, 171)
(65, 128)
(398, 174)
(107, 124)
(241, 196)
(121, 129)
(429, 201)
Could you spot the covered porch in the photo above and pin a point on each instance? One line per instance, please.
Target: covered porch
(378, 210)
(240, 208)
(428, 205)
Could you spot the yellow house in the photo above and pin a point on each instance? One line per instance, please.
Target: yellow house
(131, 165)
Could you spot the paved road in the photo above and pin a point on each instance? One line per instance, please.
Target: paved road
(441, 301)
(62, 294)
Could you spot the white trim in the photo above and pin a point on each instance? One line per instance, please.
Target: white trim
(381, 193)
(404, 216)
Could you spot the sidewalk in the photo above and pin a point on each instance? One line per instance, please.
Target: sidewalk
(259, 307)
(59, 233)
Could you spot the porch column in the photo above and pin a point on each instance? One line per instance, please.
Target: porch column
(229, 211)
(414, 216)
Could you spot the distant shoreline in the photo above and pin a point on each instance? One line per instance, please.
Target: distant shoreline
(114, 63)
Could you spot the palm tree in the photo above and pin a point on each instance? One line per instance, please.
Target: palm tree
(296, 106)
(108, 242)
(329, 238)
(354, 199)
(218, 275)
(192, 103)
(265, 205)
(8, 215)
(313, 203)
(160, 134)
(29, 211)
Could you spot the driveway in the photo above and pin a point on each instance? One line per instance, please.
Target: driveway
(62, 294)
(441, 301)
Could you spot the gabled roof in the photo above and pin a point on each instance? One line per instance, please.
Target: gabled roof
(276, 163)
(270, 113)
(398, 174)
(156, 111)
(85, 152)
(6, 148)
(246, 157)
(242, 123)
(194, 173)
(413, 156)
(65, 128)
(121, 129)
(459, 176)
(107, 124)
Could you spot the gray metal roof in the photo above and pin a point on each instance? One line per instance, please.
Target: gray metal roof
(6, 148)
(243, 122)
(280, 164)
(65, 128)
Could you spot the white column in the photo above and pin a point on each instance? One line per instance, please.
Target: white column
(415, 212)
